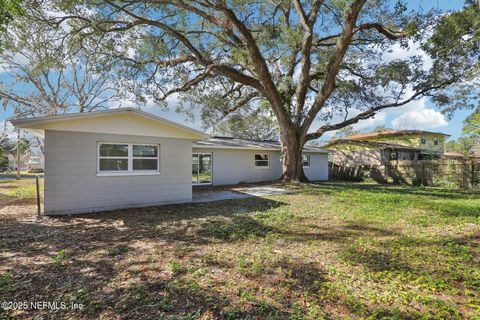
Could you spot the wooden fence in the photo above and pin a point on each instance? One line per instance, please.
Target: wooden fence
(444, 173)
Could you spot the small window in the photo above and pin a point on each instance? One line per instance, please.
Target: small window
(435, 141)
(261, 160)
(145, 157)
(306, 160)
(130, 158)
(423, 140)
(113, 157)
(394, 156)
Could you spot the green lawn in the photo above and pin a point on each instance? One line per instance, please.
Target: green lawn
(328, 251)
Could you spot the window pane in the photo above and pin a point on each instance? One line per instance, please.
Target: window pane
(306, 161)
(261, 163)
(205, 168)
(145, 151)
(261, 157)
(114, 150)
(113, 164)
(145, 164)
(194, 168)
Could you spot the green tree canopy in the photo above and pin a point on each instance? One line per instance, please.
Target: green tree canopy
(462, 145)
(9, 9)
(319, 65)
(472, 125)
(257, 125)
(455, 45)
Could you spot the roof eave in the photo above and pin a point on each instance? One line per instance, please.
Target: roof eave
(252, 148)
(24, 123)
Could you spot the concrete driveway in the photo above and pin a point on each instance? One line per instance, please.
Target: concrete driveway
(236, 193)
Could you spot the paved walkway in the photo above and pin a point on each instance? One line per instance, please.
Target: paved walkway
(236, 193)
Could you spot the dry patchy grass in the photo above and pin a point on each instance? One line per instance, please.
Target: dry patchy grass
(328, 250)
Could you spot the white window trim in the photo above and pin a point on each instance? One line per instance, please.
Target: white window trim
(306, 155)
(130, 157)
(255, 161)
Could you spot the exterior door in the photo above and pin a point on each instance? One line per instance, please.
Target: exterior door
(201, 168)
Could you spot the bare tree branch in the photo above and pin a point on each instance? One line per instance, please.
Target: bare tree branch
(303, 83)
(390, 34)
(334, 64)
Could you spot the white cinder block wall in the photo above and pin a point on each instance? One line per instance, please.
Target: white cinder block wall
(72, 185)
(318, 170)
(233, 166)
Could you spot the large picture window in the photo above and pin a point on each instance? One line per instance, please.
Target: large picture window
(261, 160)
(127, 158)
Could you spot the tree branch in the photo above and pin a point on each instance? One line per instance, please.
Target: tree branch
(269, 88)
(333, 66)
(390, 34)
(304, 79)
(372, 111)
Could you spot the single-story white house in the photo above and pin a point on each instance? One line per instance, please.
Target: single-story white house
(121, 158)
(30, 161)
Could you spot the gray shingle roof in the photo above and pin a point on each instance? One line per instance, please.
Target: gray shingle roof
(237, 143)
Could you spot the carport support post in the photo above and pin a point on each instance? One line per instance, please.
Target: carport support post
(38, 196)
(18, 155)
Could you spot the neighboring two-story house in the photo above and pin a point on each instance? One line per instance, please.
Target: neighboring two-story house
(376, 148)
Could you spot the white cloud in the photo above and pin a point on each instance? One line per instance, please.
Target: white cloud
(413, 49)
(418, 116)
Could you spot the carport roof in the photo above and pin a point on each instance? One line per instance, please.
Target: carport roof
(218, 142)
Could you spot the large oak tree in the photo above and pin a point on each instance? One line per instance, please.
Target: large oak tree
(319, 65)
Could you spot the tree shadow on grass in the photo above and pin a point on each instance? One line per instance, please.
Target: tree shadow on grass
(374, 260)
(149, 298)
(182, 212)
(6, 200)
(181, 299)
(32, 255)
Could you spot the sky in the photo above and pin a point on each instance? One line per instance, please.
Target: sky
(419, 114)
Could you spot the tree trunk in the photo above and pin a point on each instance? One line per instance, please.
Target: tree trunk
(292, 147)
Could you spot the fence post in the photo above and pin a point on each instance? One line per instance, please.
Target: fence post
(38, 196)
